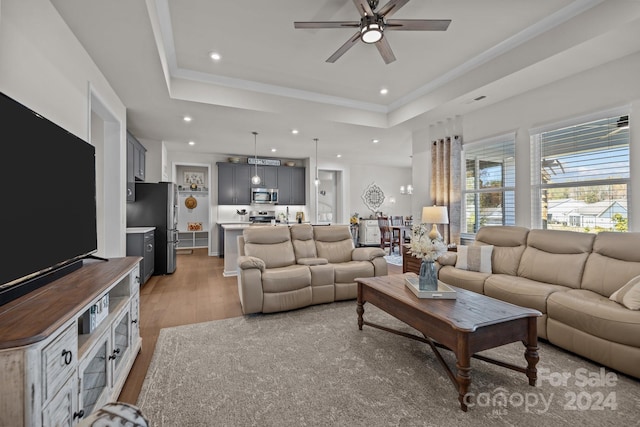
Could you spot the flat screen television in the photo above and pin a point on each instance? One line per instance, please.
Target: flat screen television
(49, 210)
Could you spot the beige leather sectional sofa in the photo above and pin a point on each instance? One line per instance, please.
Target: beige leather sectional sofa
(569, 277)
(288, 267)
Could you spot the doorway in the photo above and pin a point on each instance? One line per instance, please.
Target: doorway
(328, 201)
(194, 205)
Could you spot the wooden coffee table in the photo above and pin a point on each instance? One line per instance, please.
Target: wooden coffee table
(466, 325)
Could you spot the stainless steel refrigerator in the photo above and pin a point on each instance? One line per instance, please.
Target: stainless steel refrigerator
(156, 206)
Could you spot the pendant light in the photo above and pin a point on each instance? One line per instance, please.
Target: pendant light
(255, 180)
(317, 180)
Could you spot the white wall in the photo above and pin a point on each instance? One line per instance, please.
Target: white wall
(614, 84)
(389, 179)
(43, 66)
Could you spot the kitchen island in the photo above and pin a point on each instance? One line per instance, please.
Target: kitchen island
(231, 233)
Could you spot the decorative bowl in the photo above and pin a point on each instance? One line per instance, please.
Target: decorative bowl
(234, 159)
(290, 163)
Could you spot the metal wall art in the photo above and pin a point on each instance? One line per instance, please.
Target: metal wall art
(373, 197)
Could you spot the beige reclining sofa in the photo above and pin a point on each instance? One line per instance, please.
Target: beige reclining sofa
(288, 267)
(569, 277)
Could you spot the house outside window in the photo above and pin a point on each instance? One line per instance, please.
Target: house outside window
(489, 191)
(581, 175)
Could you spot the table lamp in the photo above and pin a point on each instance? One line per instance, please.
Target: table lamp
(435, 215)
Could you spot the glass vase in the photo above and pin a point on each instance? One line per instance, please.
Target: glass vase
(427, 280)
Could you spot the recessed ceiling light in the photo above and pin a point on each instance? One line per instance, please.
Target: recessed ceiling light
(294, 131)
(273, 150)
(339, 155)
(375, 141)
(384, 91)
(215, 56)
(187, 119)
(192, 143)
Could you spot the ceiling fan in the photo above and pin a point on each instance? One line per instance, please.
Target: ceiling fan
(373, 24)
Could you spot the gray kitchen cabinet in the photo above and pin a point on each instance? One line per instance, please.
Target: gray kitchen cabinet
(136, 161)
(268, 175)
(234, 183)
(131, 184)
(141, 242)
(291, 185)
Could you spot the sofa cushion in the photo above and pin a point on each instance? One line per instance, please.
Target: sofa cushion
(615, 260)
(509, 243)
(285, 279)
(346, 272)
(554, 256)
(596, 315)
(270, 244)
(629, 294)
(302, 239)
(521, 291)
(475, 258)
(312, 261)
(334, 242)
(469, 280)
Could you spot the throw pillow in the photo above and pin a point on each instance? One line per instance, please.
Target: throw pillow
(629, 294)
(475, 258)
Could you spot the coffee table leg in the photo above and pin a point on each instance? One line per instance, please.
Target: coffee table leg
(360, 311)
(531, 353)
(463, 377)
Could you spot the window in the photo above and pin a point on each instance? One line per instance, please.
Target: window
(489, 190)
(581, 176)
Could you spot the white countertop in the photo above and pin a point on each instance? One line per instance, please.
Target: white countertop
(234, 222)
(131, 230)
(235, 226)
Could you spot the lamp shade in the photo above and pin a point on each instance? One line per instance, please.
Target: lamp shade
(435, 215)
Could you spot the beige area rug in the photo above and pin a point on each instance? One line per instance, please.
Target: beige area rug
(313, 367)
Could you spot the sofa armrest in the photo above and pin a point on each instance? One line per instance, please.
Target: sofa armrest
(313, 261)
(246, 262)
(448, 258)
(367, 254)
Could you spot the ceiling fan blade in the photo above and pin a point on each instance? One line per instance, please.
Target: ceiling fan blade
(417, 24)
(327, 24)
(392, 7)
(363, 7)
(345, 47)
(385, 50)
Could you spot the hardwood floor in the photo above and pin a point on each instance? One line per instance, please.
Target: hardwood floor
(196, 292)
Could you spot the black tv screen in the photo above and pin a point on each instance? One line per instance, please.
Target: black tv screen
(49, 209)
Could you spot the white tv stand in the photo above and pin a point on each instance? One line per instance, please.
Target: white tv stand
(53, 374)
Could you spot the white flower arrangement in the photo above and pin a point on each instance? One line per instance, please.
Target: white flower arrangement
(422, 246)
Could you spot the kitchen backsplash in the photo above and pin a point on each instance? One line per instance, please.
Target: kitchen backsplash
(228, 213)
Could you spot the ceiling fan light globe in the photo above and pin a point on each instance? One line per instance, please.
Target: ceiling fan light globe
(371, 33)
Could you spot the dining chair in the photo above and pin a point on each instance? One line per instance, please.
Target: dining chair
(386, 233)
(398, 233)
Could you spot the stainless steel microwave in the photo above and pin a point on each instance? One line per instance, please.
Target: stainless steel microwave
(264, 195)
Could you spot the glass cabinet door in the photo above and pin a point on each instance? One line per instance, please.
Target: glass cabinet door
(121, 341)
(94, 379)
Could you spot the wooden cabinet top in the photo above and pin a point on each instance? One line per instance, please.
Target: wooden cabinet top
(38, 314)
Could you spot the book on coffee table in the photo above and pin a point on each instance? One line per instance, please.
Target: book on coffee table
(444, 291)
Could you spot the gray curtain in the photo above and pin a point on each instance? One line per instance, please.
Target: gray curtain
(446, 181)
